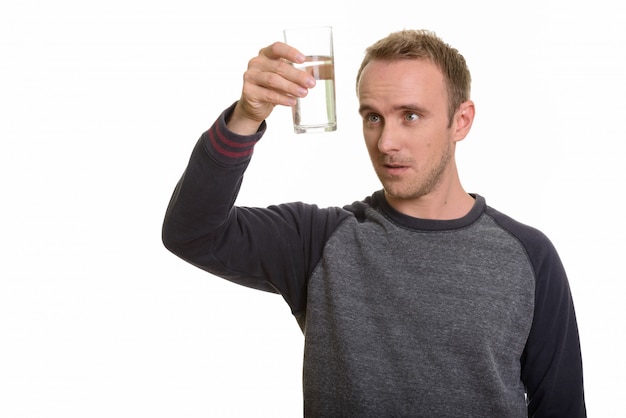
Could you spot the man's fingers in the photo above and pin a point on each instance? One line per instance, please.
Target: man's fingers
(280, 50)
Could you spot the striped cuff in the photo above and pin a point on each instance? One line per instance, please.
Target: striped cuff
(227, 147)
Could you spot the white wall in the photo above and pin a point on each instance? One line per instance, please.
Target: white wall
(100, 106)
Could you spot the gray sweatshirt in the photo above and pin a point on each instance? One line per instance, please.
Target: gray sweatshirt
(402, 317)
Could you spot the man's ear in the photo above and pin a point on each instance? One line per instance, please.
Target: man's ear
(463, 119)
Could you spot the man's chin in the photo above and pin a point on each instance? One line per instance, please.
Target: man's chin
(396, 192)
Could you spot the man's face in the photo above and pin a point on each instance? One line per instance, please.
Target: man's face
(404, 106)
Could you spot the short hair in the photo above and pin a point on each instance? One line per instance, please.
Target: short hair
(424, 44)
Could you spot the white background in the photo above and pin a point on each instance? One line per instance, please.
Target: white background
(100, 105)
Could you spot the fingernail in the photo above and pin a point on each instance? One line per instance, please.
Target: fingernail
(310, 82)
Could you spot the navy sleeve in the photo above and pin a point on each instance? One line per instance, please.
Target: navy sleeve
(551, 363)
(272, 249)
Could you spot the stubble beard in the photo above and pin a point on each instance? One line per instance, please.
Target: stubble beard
(421, 184)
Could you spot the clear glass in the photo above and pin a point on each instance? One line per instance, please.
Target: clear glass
(317, 111)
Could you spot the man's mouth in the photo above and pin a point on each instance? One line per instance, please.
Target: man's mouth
(395, 168)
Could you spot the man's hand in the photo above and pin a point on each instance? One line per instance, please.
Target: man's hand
(270, 80)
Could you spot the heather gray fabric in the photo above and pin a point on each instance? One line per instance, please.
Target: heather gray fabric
(405, 322)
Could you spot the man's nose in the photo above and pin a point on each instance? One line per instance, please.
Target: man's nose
(388, 141)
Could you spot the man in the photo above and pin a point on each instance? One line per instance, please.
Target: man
(420, 300)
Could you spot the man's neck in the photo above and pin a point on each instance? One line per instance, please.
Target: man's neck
(438, 206)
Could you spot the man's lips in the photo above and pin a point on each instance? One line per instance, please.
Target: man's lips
(393, 168)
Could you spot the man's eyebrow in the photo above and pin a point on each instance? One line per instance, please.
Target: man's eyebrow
(365, 108)
(411, 107)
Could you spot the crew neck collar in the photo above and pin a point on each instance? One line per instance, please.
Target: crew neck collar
(430, 224)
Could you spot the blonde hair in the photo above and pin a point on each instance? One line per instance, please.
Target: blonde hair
(423, 44)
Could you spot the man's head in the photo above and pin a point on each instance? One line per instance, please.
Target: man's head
(422, 44)
(413, 95)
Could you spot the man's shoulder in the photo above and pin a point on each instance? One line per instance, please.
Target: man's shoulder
(523, 231)
(537, 244)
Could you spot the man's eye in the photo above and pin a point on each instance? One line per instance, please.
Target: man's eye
(411, 117)
(373, 118)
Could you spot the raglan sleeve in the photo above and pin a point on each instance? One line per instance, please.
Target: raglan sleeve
(272, 249)
(552, 363)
